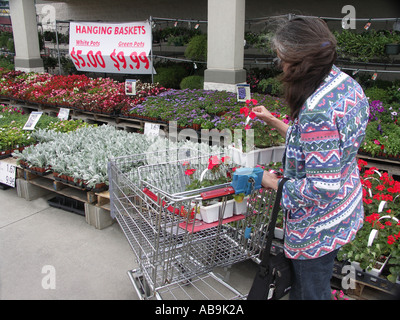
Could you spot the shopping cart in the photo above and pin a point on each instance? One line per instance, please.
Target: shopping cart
(162, 221)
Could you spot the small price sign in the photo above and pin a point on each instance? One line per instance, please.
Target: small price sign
(63, 114)
(7, 174)
(111, 47)
(32, 120)
(151, 129)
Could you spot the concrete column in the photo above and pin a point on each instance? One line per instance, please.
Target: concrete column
(225, 51)
(26, 40)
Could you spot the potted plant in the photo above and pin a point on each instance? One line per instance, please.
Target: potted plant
(378, 239)
(217, 172)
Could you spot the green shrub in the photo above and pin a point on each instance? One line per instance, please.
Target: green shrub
(192, 82)
(375, 93)
(6, 62)
(271, 86)
(197, 48)
(170, 77)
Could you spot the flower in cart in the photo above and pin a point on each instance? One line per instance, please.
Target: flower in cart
(190, 215)
(213, 162)
(190, 172)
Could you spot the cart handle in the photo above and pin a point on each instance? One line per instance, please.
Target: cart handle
(217, 193)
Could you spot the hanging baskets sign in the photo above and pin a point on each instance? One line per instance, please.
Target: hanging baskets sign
(111, 47)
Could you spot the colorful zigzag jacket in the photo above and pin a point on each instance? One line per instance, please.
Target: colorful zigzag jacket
(323, 197)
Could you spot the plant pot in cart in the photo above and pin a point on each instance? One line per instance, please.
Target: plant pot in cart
(228, 209)
(210, 213)
(240, 207)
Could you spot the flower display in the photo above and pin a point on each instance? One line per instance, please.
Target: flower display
(380, 233)
(99, 95)
(12, 135)
(382, 131)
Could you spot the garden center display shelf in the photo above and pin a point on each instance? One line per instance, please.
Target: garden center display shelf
(48, 182)
(391, 166)
(120, 121)
(363, 278)
(96, 204)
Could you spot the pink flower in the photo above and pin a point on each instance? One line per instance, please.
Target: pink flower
(212, 162)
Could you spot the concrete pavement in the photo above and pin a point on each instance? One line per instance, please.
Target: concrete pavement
(51, 254)
(41, 246)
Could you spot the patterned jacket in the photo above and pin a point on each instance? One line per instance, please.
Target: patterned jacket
(324, 195)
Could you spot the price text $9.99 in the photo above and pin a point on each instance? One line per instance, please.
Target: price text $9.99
(95, 60)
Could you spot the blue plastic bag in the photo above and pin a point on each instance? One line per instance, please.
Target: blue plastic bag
(243, 178)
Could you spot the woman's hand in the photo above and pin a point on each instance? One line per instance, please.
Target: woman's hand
(262, 113)
(270, 180)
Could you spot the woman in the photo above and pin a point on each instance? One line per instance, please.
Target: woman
(323, 197)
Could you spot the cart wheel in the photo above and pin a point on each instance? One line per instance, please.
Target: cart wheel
(144, 287)
(182, 269)
(140, 284)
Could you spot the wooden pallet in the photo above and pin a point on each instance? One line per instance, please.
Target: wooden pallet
(49, 183)
(392, 167)
(103, 200)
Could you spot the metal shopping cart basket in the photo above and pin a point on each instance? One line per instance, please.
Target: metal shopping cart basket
(176, 241)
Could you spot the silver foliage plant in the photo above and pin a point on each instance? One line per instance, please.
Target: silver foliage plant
(85, 153)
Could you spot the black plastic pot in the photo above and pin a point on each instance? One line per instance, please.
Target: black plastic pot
(392, 49)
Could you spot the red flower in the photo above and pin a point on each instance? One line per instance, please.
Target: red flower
(368, 184)
(245, 110)
(253, 101)
(380, 187)
(373, 217)
(247, 127)
(377, 196)
(391, 240)
(212, 162)
(387, 197)
(365, 192)
(189, 172)
(362, 163)
(367, 201)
